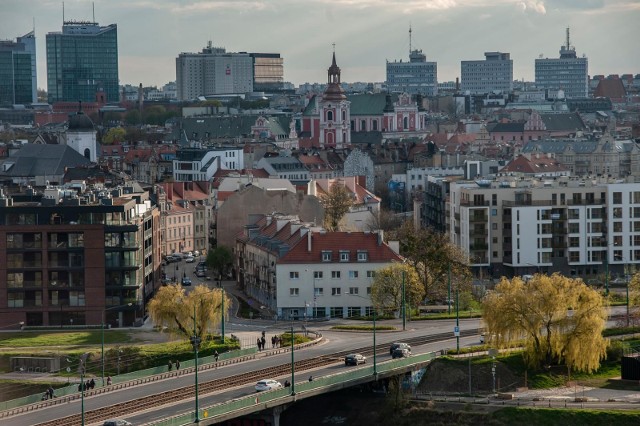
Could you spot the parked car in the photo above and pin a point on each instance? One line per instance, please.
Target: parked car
(202, 266)
(116, 422)
(200, 273)
(190, 259)
(186, 281)
(355, 359)
(267, 385)
(398, 345)
(401, 353)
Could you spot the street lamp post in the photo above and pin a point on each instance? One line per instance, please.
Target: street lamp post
(606, 272)
(195, 341)
(457, 320)
(293, 368)
(222, 314)
(375, 367)
(449, 287)
(404, 306)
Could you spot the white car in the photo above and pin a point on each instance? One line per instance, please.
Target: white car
(267, 385)
(190, 259)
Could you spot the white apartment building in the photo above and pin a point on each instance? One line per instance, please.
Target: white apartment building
(495, 73)
(302, 271)
(199, 164)
(567, 224)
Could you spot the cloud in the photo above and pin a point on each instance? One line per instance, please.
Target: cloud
(575, 4)
(536, 6)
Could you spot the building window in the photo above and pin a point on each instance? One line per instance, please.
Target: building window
(371, 274)
(326, 256)
(335, 275)
(368, 290)
(317, 274)
(294, 291)
(294, 275)
(335, 291)
(353, 311)
(617, 198)
(318, 291)
(353, 275)
(344, 256)
(15, 300)
(336, 312)
(362, 256)
(353, 290)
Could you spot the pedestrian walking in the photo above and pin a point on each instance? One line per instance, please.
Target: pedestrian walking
(170, 366)
(273, 342)
(311, 378)
(50, 392)
(215, 356)
(109, 381)
(259, 343)
(177, 364)
(92, 384)
(264, 341)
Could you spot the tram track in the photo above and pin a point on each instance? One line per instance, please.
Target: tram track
(157, 400)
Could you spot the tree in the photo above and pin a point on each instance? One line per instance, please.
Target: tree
(634, 298)
(386, 289)
(431, 254)
(386, 220)
(336, 202)
(557, 319)
(173, 308)
(133, 117)
(114, 134)
(219, 258)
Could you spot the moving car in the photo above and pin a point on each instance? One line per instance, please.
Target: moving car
(186, 281)
(401, 353)
(355, 359)
(200, 273)
(190, 259)
(399, 345)
(116, 422)
(267, 385)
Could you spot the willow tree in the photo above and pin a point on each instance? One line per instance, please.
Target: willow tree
(172, 307)
(557, 319)
(336, 202)
(386, 289)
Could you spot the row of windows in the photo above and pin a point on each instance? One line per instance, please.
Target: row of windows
(295, 275)
(327, 255)
(22, 299)
(335, 291)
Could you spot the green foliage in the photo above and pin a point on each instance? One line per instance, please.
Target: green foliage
(615, 351)
(54, 339)
(133, 117)
(113, 135)
(219, 258)
(386, 289)
(563, 417)
(618, 331)
(364, 327)
(285, 338)
(559, 320)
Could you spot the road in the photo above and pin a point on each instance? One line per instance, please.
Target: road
(334, 342)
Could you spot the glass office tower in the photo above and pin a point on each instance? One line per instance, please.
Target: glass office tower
(82, 60)
(17, 71)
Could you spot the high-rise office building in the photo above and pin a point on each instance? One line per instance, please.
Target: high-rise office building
(268, 72)
(82, 60)
(495, 73)
(567, 73)
(18, 81)
(414, 77)
(214, 71)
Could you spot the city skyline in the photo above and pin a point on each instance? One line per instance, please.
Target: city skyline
(366, 33)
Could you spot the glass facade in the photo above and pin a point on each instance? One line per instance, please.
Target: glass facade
(82, 60)
(16, 77)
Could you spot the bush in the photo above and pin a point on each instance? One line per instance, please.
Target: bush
(615, 351)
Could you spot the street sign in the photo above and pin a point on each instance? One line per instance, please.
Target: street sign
(456, 331)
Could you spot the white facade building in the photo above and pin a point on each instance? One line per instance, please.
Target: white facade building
(495, 73)
(567, 73)
(196, 164)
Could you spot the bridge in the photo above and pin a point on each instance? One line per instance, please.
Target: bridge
(158, 397)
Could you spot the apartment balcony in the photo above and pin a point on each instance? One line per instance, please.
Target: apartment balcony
(520, 203)
(475, 233)
(478, 218)
(472, 203)
(479, 247)
(594, 202)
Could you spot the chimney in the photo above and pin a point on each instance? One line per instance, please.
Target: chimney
(457, 84)
(309, 241)
(380, 237)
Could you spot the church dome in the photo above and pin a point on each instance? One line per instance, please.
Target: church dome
(80, 122)
(333, 91)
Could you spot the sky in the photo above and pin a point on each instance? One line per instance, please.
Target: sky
(366, 33)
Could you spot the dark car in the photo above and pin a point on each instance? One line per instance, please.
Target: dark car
(355, 359)
(398, 345)
(401, 353)
(186, 281)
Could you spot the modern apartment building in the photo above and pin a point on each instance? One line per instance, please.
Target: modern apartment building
(301, 271)
(18, 76)
(214, 71)
(414, 77)
(200, 164)
(568, 73)
(82, 61)
(77, 256)
(577, 226)
(495, 73)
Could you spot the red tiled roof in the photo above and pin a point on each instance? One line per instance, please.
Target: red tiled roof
(337, 242)
(536, 165)
(610, 88)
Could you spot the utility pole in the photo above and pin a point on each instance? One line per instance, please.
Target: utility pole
(404, 306)
(457, 320)
(449, 287)
(293, 368)
(195, 340)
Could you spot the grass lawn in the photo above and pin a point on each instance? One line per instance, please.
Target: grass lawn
(446, 315)
(551, 417)
(363, 327)
(33, 339)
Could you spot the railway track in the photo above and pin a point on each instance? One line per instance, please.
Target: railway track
(126, 408)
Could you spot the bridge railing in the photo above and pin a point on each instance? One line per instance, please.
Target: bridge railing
(260, 399)
(122, 379)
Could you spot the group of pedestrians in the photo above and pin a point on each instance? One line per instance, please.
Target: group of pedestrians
(88, 385)
(276, 342)
(48, 394)
(170, 365)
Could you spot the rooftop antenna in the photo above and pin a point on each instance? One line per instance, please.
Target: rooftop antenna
(409, 38)
(63, 12)
(568, 44)
(93, 10)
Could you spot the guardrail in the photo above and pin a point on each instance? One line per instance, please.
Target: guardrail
(69, 393)
(261, 400)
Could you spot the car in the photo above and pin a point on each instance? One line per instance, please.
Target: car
(267, 385)
(398, 345)
(200, 273)
(401, 353)
(116, 422)
(186, 281)
(196, 253)
(355, 359)
(190, 259)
